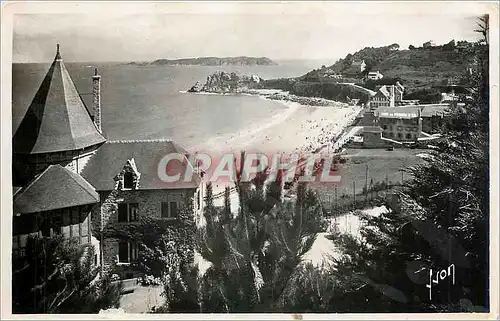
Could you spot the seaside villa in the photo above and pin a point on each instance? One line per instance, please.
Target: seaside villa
(67, 179)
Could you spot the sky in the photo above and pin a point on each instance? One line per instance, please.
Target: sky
(117, 32)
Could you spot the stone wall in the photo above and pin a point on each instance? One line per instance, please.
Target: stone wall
(149, 202)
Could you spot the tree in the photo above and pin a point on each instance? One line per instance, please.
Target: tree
(226, 213)
(394, 46)
(58, 275)
(425, 95)
(450, 45)
(411, 47)
(254, 256)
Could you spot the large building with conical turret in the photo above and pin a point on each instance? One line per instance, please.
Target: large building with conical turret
(52, 143)
(68, 179)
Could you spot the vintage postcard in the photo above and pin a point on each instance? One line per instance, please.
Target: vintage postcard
(257, 160)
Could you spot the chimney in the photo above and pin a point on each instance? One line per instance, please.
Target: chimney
(392, 101)
(96, 99)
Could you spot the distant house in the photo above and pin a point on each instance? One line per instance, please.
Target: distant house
(359, 63)
(453, 92)
(125, 174)
(387, 96)
(428, 44)
(356, 67)
(375, 75)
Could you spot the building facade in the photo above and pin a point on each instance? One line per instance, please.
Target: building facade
(375, 75)
(400, 123)
(387, 96)
(125, 175)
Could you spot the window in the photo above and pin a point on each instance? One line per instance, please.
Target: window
(127, 252)
(128, 180)
(400, 135)
(408, 129)
(385, 127)
(415, 129)
(128, 212)
(173, 209)
(408, 136)
(45, 228)
(400, 128)
(56, 223)
(169, 209)
(50, 226)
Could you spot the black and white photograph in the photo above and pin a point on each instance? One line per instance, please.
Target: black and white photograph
(279, 159)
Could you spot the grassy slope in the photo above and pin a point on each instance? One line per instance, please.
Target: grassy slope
(418, 68)
(424, 68)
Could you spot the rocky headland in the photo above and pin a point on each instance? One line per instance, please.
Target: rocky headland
(232, 83)
(227, 82)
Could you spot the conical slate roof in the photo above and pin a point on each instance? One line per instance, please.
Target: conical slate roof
(56, 187)
(57, 119)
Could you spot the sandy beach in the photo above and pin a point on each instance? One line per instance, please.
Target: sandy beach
(307, 129)
(299, 128)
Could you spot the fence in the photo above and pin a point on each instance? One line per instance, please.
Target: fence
(340, 200)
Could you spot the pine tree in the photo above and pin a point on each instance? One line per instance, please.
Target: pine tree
(226, 213)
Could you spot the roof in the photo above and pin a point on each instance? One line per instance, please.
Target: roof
(383, 90)
(111, 157)
(15, 189)
(372, 129)
(54, 188)
(87, 102)
(398, 112)
(435, 110)
(57, 119)
(357, 62)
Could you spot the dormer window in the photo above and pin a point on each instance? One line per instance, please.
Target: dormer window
(128, 180)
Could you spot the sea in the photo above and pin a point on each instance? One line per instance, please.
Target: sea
(151, 102)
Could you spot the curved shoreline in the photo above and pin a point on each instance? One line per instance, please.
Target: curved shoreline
(303, 128)
(277, 95)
